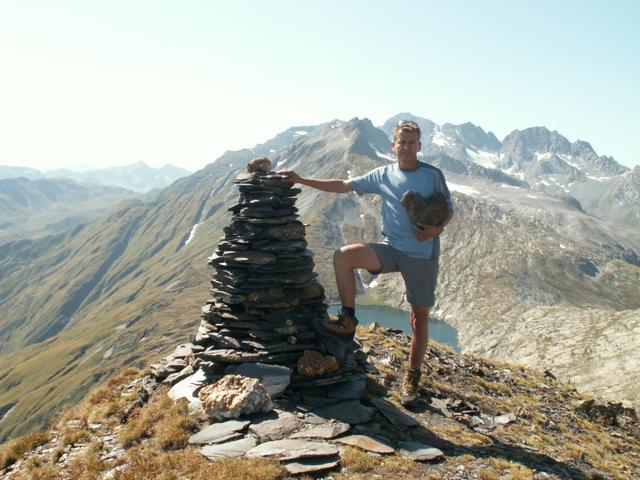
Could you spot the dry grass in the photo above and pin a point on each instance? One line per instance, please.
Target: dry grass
(101, 403)
(35, 469)
(188, 463)
(87, 465)
(487, 474)
(72, 436)
(13, 450)
(169, 422)
(357, 461)
(399, 464)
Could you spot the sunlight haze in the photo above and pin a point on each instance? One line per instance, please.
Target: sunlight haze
(93, 84)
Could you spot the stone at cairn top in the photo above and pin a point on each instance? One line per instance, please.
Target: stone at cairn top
(262, 164)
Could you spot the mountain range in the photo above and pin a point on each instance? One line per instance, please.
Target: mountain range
(138, 177)
(537, 267)
(32, 209)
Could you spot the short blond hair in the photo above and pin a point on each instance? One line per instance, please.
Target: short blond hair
(405, 126)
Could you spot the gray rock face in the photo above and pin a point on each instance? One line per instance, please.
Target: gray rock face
(220, 432)
(325, 431)
(277, 428)
(289, 449)
(236, 448)
(352, 412)
(275, 378)
(311, 465)
(419, 451)
(395, 415)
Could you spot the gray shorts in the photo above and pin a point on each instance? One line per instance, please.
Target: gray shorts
(420, 275)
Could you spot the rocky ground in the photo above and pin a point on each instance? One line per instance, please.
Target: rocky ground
(476, 419)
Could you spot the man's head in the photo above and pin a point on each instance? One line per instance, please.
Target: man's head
(406, 143)
(405, 126)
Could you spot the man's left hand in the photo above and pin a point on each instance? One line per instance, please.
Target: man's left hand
(425, 232)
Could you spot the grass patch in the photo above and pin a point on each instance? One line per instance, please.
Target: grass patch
(357, 461)
(399, 464)
(13, 450)
(36, 469)
(87, 465)
(169, 422)
(487, 474)
(188, 463)
(75, 435)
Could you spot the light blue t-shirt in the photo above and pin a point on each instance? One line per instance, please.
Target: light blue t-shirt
(391, 182)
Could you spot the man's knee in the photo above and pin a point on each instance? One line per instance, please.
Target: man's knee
(419, 317)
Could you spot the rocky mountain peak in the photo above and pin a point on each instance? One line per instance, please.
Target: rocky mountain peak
(472, 136)
(536, 140)
(427, 127)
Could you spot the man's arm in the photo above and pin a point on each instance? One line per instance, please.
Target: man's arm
(324, 185)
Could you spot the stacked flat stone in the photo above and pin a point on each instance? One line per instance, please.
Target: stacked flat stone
(265, 295)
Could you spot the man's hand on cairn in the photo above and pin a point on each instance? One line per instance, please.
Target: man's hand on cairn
(425, 232)
(290, 176)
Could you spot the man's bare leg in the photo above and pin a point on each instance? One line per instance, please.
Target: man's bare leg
(345, 261)
(419, 317)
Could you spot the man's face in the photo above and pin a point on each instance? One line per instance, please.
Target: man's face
(407, 146)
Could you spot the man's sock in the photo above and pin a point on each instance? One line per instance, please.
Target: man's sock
(351, 311)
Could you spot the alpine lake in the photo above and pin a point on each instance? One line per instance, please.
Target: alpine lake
(389, 317)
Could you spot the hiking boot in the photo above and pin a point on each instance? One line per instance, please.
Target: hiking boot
(341, 324)
(410, 388)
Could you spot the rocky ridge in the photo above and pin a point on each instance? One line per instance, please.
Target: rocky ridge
(475, 419)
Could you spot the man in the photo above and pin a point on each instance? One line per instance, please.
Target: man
(413, 250)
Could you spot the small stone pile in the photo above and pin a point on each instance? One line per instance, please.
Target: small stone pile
(266, 312)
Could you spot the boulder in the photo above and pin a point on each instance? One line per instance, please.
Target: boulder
(234, 395)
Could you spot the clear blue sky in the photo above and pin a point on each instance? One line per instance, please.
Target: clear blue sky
(96, 83)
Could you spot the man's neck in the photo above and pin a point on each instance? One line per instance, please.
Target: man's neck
(408, 164)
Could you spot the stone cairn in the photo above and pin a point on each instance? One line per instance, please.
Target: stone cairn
(263, 368)
(265, 317)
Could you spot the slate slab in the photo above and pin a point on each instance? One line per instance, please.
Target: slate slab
(326, 431)
(353, 389)
(186, 389)
(396, 416)
(236, 448)
(275, 378)
(419, 451)
(366, 443)
(293, 449)
(220, 432)
(351, 411)
(311, 465)
(277, 428)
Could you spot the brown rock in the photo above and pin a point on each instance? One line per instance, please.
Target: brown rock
(430, 211)
(262, 164)
(312, 364)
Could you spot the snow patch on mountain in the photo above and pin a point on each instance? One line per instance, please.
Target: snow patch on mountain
(441, 139)
(483, 157)
(191, 234)
(464, 189)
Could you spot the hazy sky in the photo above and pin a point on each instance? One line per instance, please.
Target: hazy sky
(97, 83)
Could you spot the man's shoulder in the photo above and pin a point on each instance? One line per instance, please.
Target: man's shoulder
(429, 167)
